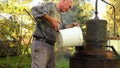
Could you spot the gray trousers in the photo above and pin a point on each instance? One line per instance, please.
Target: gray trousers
(43, 55)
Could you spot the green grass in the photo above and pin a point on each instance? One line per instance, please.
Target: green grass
(15, 62)
(63, 63)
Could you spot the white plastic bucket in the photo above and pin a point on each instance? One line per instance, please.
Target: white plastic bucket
(70, 37)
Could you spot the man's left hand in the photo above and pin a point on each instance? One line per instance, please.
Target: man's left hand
(75, 24)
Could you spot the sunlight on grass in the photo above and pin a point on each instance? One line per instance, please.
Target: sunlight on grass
(14, 61)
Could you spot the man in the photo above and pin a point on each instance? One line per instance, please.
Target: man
(48, 23)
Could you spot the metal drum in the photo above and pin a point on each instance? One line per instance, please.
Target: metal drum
(96, 34)
(96, 30)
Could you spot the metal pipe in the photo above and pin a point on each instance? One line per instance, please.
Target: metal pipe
(96, 10)
(96, 7)
(114, 16)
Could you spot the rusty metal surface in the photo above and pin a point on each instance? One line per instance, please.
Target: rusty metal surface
(96, 35)
(96, 30)
(94, 63)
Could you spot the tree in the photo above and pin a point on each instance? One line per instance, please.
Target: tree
(110, 16)
(18, 28)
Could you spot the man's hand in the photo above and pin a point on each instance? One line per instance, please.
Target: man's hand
(75, 24)
(72, 25)
(55, 24)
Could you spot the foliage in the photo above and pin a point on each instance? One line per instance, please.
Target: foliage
(110, 16)
(20, 23)
(18, 27)
(6, 50)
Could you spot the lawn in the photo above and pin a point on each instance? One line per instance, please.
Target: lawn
(15, 62)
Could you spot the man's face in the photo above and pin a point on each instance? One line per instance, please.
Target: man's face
(66, 5)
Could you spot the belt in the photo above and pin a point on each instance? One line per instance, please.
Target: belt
(44, 40)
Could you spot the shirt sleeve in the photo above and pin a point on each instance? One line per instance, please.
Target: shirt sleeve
(39, 10)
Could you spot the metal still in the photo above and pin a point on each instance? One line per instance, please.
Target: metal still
(94, 53)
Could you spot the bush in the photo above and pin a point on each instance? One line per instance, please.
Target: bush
(6, 50)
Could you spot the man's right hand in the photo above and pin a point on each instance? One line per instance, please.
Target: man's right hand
(55, 23)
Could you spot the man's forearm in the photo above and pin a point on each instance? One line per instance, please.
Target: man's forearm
(72, 25)
(69, 26)
(52, 21)
(48, 18)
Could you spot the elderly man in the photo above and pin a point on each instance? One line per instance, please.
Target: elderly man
(48, 22)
